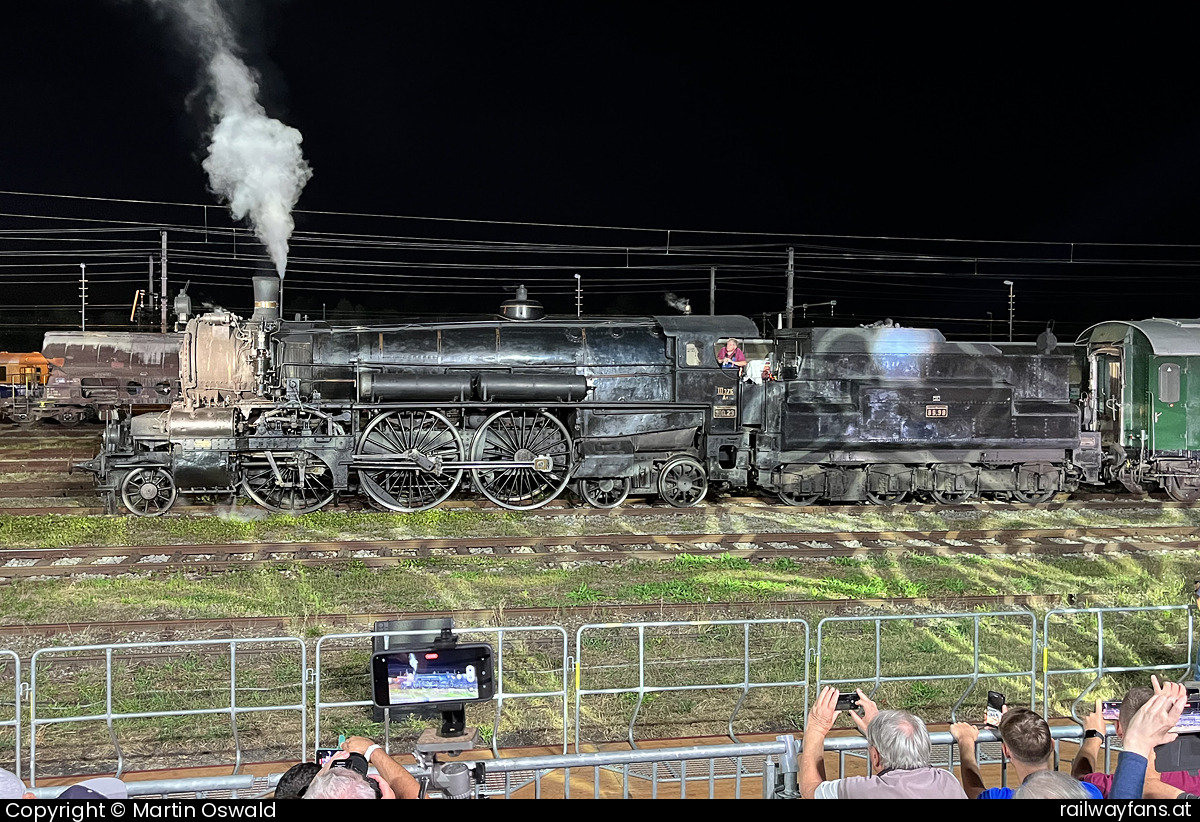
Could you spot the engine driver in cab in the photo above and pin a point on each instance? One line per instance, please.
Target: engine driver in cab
(732, 355)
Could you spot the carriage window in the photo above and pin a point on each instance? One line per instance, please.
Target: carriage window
(693, 354)
(1168, 382)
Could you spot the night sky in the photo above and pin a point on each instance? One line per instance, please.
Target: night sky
(914, 163)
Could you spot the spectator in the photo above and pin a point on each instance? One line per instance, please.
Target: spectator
(1150, 727)
(101, 787)
(897, 745)
(11, 786)
(1025, 740)
(344, 783)
(295, 780)
(1095, 728)
(1051, 785)
(402, 783)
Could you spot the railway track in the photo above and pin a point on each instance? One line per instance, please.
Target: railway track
(633, 507)
(46, 563)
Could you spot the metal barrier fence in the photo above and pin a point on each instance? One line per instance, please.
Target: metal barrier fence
(528, 682)
(927, 639)
(695, 770)
(1112, 622)
(11, 663)
(135, 658)
(615, 643)
(681, 673)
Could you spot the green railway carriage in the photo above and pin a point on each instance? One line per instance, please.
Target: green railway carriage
(1142, 397)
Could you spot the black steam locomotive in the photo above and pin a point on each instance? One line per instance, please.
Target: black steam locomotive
(519, 406)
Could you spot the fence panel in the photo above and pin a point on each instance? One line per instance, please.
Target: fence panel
(1102, 652)
(691, 678)
(905, 661)
(10, 712)
(531, 665)
(149, 695)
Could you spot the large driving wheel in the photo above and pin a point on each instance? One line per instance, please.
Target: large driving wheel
(523, 436)
(683, 482)
(148, 492)
(416, 443)
(287, 482)
(605, 493)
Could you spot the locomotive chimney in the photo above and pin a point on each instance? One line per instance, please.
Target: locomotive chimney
(266, 299)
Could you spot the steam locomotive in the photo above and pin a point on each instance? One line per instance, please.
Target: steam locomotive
(519, 406)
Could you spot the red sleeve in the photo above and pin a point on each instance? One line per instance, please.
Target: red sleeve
(1180, 779)
(1103, 781)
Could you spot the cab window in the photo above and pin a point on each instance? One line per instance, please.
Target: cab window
(692, 354)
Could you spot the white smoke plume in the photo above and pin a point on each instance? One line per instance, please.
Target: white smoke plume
(681, 304)
(254, 162)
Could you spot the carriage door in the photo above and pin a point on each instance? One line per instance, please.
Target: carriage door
(1169, 423)
(1106, 375)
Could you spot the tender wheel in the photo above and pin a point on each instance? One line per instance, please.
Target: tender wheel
(951, 497)
(148, 492)
(287, 482)
(1034, 497)
(798, 500)
(522, 436)
(605, 493)
(395, 437)
(893, 498)
(1177, 491)
(683, 482)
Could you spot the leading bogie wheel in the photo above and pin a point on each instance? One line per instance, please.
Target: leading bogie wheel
(605, 493)
(683, 482)
(148, 492)
(288, 482)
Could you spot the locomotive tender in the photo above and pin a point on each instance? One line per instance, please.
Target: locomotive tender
(518, 406)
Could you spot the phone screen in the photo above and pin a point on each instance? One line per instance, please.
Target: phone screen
(422, 676)
(995, 709)
(323, 754)
(1188, 723)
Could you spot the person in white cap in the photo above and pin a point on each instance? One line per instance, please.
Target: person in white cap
(101, 787)
(11, 786)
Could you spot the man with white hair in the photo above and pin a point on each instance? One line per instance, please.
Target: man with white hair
(1051, 785)
(343, 783)
(898, 747)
